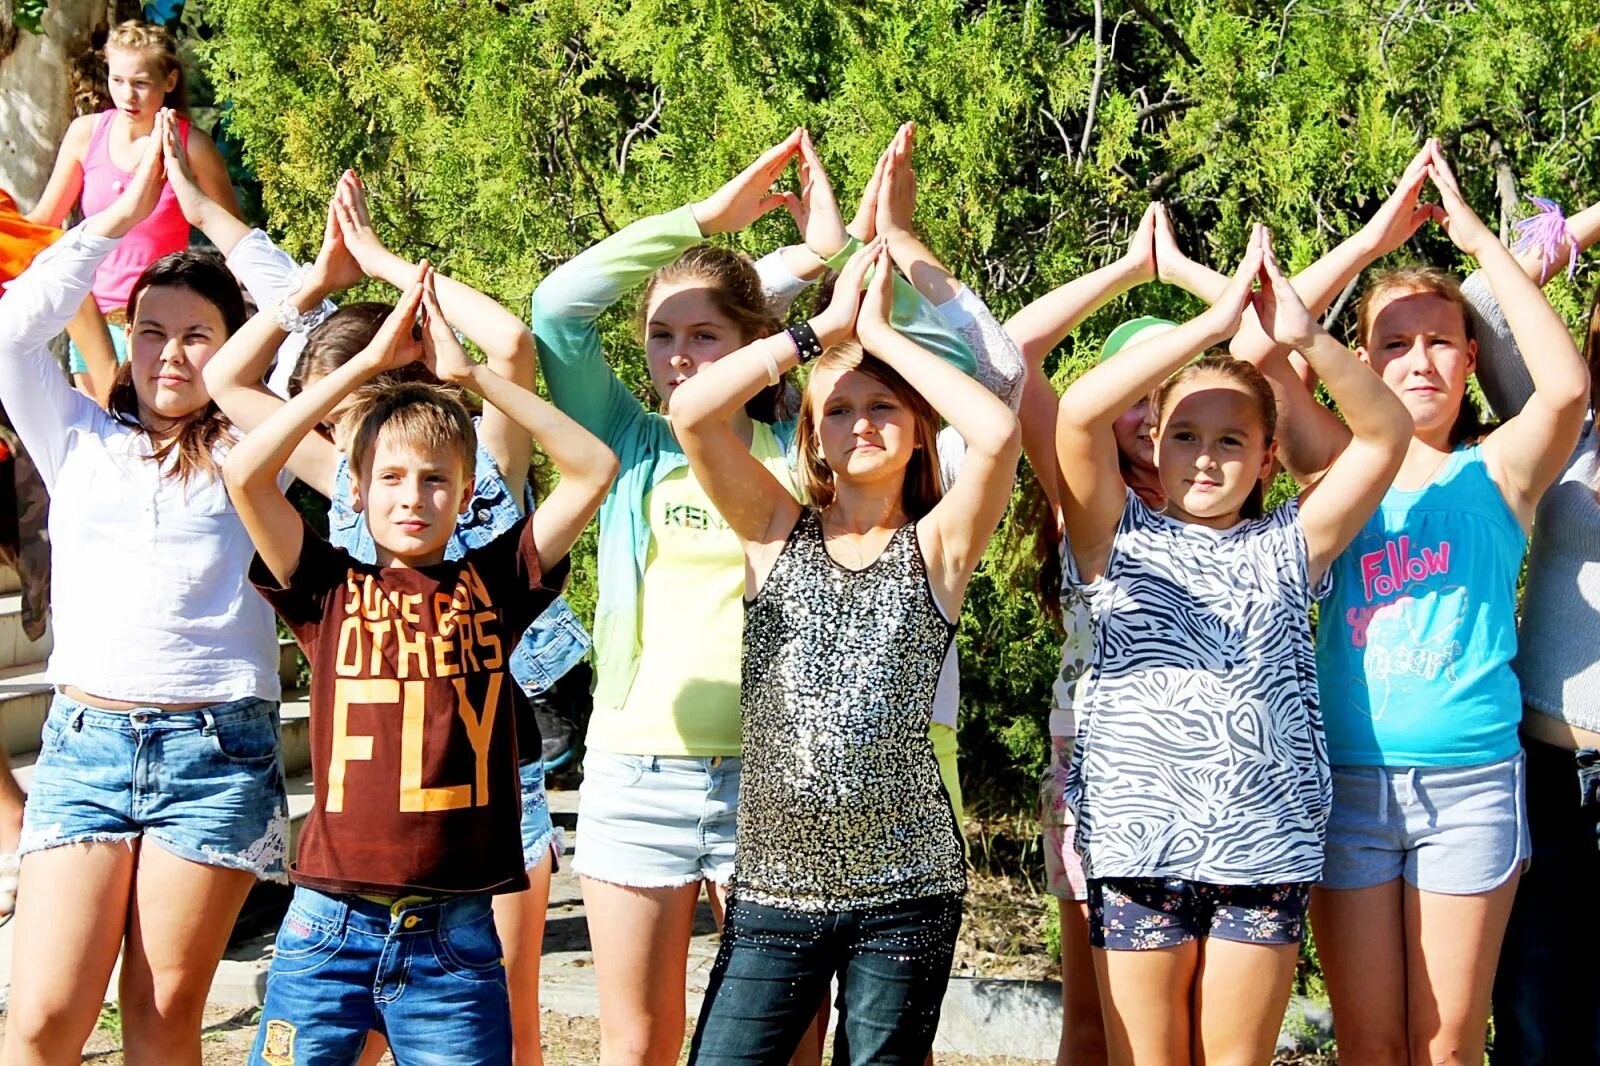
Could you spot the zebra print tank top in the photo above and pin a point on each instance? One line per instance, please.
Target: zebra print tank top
(1200, 754)
(840, 802)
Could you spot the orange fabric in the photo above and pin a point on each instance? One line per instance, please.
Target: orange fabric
(20, 240)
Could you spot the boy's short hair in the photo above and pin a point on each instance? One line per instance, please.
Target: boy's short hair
(424, 417)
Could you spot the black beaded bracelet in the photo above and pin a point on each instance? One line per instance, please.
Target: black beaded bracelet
(806, 344)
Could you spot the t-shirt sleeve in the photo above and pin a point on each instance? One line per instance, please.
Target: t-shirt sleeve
(302, 603)
(509, 564)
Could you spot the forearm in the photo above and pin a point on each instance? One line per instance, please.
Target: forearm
(244, 358)
(1047, 321)
(220, 224)
(719, 390)
(1371, 409)
(915, 318)
(927, 275)
(576, 453)
(264, 451)
(1106, 391)
(1540, 334)
(986, 424)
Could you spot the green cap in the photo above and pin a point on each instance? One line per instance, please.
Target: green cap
(1133, 331)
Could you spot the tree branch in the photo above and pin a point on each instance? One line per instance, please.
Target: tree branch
(1167, 31)
(1164, 107)
(1505, 183)
(647, 124)
(1094, 88)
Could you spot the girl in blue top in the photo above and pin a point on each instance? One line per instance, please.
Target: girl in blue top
(502, 493)
(1428, 832)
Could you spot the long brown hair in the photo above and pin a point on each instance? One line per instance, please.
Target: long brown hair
(1469, 424)
(734, 288)
(1247, 377)
(922, 488)
(201, 432)
(157, 42)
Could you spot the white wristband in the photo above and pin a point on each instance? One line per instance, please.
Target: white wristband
(773, 377)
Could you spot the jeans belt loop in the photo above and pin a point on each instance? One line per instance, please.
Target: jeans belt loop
(716, 762)
(210, 729)
(77, 719)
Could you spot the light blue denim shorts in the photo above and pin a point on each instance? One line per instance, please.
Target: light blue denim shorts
(206, 785)
(1455, 830)
(649, 821)
(540, 837)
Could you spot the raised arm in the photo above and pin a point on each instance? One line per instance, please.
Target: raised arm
(753, 503)
(1333, 510)
(1086, 447)
(252, 466)
(504, 340)
(211, 173)
(816, 210)
(234, 373)
(954, 534)
(218, 220)
(571, 298)
(1038, 328)
(66, 179)
(1527, 452)
(585, 464)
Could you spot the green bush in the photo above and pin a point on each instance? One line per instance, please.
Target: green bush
(500, 138)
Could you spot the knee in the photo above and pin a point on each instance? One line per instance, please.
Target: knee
(637, 1046)
(49, 1032)
(1436, 1052)
(164, 1005)
(1374, 1049)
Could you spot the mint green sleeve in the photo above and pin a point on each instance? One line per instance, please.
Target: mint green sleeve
(571, 299)
(917, 319)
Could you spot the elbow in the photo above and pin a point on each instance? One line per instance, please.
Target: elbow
(684, 411)
(1003, 440)
(238, 470)
(1571, 395)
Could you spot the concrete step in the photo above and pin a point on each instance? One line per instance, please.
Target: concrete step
(10, 580)
(24, 702)
(15, 647)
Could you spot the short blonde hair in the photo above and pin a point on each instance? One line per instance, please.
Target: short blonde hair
(415, 415)
(157, 42)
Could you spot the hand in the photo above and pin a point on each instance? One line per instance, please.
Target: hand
(441, 351)
(175, 158)
(748, 196)
(336, 267)
(399, 340)
(1142, 260)
(1464, 228)
(354, 223)
(897, 194)
(872, 321)
(864, 226)
(837, 323)
(1401, 215)
(816, 210)
(144, 191)
(1281, 312)
(1223, 316)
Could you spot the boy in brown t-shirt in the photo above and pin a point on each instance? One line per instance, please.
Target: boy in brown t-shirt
(416, 820)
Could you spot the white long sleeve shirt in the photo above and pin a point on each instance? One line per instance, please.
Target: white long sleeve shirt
(149, 594)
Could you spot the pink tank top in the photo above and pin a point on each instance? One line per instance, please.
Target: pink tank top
(164, 232)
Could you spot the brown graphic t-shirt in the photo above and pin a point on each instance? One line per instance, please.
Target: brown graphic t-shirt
(413, 715)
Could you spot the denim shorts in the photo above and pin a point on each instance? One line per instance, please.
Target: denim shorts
(1455, 830)
(1063, 866)
(1148, 913)
(429, 976)
(540, 837)
(206, 785)
(655, 822)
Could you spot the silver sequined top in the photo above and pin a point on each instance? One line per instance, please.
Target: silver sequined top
(840, 802)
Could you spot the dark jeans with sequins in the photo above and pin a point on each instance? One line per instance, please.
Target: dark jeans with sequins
(774, 966)
(1547, 986)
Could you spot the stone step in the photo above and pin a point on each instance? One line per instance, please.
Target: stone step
(24, 702)
(15, 647)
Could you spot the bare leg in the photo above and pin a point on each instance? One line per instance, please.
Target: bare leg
(1452, 943)
(1361, 940)
(1083, 1031)
(640, 938)
(519, 919)
(1239, 1001)
(1145, 997)
(180, 917)
(72, 910)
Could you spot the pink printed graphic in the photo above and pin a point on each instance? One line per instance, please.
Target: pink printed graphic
(1387, 571)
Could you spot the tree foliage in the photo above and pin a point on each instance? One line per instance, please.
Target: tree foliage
(500, 138)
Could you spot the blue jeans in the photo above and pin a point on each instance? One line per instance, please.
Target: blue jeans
(429, 976)
(1547, 987)
(774, 966)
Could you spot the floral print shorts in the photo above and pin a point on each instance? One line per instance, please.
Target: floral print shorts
(1146, 913)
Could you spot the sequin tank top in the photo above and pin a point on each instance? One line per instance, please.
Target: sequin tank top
(840, 802)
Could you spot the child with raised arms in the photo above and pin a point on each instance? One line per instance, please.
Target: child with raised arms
(1200, 780)
(850, 861)
(417, 809)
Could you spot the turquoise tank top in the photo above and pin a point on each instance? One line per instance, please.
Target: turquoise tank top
(1415, 641)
